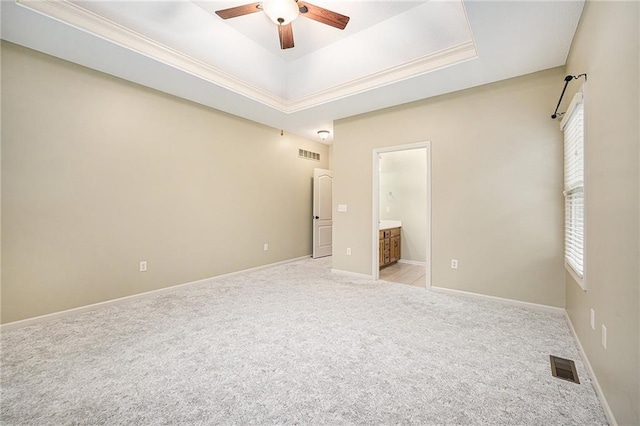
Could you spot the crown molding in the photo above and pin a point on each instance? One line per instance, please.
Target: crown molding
(90, 22)
(423, 65)
(85, 20)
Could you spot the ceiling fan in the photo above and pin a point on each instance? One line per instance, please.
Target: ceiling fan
(283, 12)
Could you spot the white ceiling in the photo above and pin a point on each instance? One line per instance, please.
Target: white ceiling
(391, 52)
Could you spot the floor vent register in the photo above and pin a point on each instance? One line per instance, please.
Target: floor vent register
(564, 369)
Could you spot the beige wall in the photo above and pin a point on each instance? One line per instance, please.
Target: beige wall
(99, 174)
(496, 186)
(0, 174)
(404, 174)
(606, 47)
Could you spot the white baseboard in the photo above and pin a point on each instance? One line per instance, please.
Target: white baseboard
(75, 311)
(413, 262)
(351, 274)
(594, 380)
(512, 302)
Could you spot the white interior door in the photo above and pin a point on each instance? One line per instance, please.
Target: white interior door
(322, 219)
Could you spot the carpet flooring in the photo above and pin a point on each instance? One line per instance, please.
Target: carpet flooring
(295, 344)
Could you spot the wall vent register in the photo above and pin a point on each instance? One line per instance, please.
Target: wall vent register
(308, 155)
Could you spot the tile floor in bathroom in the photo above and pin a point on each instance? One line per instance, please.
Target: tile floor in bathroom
(404, 273)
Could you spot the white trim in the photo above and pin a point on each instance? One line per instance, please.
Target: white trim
(594, 380)
(412, 262)
(94, 306)
(375, 214)
(92, 23)
(576, 277)
(375, 206)
(433, 62)
(505, 301)
(350, 274)
(577, 99)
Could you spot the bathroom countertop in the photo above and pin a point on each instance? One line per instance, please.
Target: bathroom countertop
(388, 224)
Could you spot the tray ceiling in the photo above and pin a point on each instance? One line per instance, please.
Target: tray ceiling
(391, 51)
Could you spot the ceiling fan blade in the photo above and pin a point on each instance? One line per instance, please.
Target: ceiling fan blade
(233, 12)
(323, 15)
(285, 32)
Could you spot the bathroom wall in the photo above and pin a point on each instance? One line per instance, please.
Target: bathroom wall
(403, 196)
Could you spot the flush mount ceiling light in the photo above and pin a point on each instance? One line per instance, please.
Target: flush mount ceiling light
(324, 134)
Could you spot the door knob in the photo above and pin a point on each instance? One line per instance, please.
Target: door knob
(316, 217)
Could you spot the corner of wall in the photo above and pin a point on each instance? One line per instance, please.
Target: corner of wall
(594, 379)
(612, 213)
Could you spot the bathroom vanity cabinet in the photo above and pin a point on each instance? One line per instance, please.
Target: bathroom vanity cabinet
(389, 246)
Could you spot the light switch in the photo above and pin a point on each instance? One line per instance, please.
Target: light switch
(342, 207)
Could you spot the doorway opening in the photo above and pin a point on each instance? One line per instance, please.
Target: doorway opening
(401, 231)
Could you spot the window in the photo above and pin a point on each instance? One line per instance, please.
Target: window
(573, 127)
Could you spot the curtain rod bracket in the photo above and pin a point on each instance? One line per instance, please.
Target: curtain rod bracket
(567, 79)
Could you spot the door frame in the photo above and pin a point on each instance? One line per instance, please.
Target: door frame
(375, 208)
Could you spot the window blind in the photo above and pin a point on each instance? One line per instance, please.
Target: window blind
(573, 127)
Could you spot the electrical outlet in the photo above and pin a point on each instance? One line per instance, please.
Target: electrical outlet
(348, 251)
(388, 209)
(593, 319)
(604, 336)
(143, 266)
(454, 263)
(266, 247)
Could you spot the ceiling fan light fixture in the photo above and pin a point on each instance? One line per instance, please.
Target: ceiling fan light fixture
(324, 134)
(281, 12)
